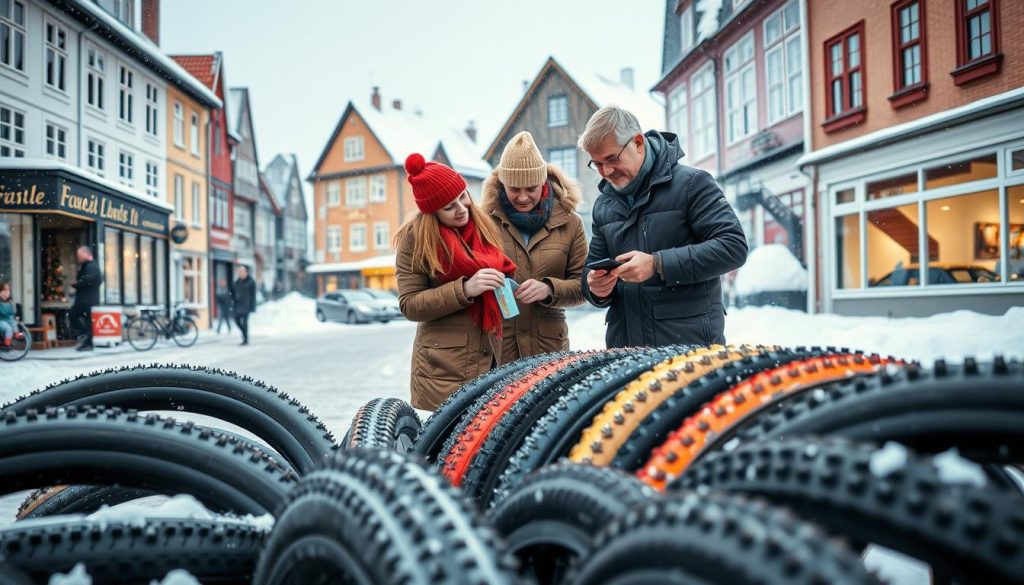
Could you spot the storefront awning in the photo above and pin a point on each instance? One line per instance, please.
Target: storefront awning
(376, 263)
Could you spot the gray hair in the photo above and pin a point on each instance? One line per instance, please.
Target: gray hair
(607, 121)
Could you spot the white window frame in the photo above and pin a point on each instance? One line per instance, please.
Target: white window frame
(126, 95)
(197, 204)
(558, 110)
(679, 115)
(11, 127)
(560, 157)
(333, 193)
(355, 148)
(152, 178)
(378, 188)
(179, 125)
(194, 134)
(96, 156)
(56, 142)
(55, 56)
(703, 113)
(355, 192)
(17, 31)
(125, 167)
(788, 47)
(381, 235)
(740, 70)
(179, 197)
(152, 110)
(96, 78)
(686, 29)
(334, 239)
(357, 237)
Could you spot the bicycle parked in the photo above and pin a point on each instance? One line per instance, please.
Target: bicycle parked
(150, 324)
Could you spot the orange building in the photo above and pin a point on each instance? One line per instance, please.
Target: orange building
(915, 145)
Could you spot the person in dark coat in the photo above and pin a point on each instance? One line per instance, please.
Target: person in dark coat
(672, 228)
(243, 294)
(87, 296)
(225, 305)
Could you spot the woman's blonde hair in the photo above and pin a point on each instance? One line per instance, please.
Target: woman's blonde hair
(425, 231)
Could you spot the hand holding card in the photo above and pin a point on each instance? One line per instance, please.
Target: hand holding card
(506, 300)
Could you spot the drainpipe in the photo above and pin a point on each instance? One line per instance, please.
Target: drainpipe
(211, 291)
(812, 237)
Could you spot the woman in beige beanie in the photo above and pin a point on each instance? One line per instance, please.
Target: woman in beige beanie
(534, 205)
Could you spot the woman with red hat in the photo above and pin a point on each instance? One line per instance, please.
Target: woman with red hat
(450, 260)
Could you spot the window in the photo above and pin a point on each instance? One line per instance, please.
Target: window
(333, 193)
(95, 156)
(56, 142)
(977, 168)
(218, 140)
(845, 78)
(1015, 255)
(740, 89)
(977, 36)
(334, 239)
(848, 251)
(179, 125)
(783, 67)
(161, 271)
(96, 65)
(152, 179)
(126, 104)
(243, 220)
(908, 44)
(378, 189)
(686, 29)
(558, 110)
(845, 196)
(381, 235)
(56, 55)
(130, 257)
(1016, 160)
(971, 219)
(355, 192)
(123, 11)
(179, 197)
(112, 265)
(194, 134)
(146, 269)
(12, 133)
(125, 167)
(192, 280)
(892, 187)
(12, 34)
(354, 148)
(565, 159)
(702, 90)
(357, 237)
(677, 115)
(197, 204)
(892, 246)
(219, 207)
(152, 110)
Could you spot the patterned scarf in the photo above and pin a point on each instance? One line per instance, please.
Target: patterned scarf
(529, 222)
(470, 253)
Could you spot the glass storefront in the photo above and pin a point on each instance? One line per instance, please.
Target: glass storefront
(112, 265)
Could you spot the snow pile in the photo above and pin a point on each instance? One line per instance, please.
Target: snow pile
(136, 512)
(177, 577)
(954, 469)
(771, 267)
(292, 311)
(891, 457)
(77, 576)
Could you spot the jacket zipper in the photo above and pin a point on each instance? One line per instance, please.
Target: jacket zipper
(646, 246)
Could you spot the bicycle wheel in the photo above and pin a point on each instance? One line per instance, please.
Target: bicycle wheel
(142, 333)
(184, 331)
(20, 344)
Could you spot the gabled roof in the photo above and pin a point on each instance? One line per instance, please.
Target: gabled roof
(598, 90)
(464, 155)
(202, 67)
(266, 192)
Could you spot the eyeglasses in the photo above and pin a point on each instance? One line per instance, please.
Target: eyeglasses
(597, 166)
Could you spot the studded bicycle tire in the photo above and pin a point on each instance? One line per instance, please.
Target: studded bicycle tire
(549, 520)
(554, 433)
(966, 528)
(688, 442)
(383, 423)
(380, 517)
(688, 538)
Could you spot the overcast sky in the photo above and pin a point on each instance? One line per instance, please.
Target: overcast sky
(457, 60)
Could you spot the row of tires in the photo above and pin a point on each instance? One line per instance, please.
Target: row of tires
(667, 465)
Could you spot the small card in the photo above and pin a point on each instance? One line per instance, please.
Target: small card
(506, 300)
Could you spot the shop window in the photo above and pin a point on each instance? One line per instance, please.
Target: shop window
(1015, 255)
(892, 247)
(848, 251)
(846, 196)
(1017, 160)
(17, 250)
(893, 186)
(161, 271)
(130, 255)
(112, 266)
(146, 269)
(978, 168)
(191, 281)
(966, 230)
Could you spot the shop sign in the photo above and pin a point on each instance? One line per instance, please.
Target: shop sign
(179, 233)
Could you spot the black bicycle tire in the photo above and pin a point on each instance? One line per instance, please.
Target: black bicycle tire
(139, 321)
(110, 446)
(74, 499)
(383, 423)
(195, 327)
(26, 337)
(114, 552)
(717, 538)
(973, 533)
(554, 433)
(560, 508)
(438, 427)
(388, 518)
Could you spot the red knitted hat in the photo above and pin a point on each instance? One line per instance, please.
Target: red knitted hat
(434, 185)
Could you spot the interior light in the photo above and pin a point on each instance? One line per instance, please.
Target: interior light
(944, 208)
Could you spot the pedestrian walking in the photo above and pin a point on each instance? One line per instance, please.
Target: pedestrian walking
(449, 261)
(225, 305)
(87, 296)
(243, 294)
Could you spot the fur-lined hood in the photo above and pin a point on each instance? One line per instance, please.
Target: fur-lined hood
(567, 192)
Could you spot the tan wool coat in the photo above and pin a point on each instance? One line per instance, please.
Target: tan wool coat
(555, 255)
(449, 349)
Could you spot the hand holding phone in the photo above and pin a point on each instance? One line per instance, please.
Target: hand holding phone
(604, 264)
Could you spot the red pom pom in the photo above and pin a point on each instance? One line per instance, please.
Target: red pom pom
(414, 164)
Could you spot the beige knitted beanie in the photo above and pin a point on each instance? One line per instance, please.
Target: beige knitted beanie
(521, 163)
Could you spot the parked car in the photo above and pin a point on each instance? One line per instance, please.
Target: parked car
(937, 274)
(354, 306)
(385, 296)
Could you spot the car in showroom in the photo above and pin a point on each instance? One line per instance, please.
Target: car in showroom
(938, 273)
(355, 306)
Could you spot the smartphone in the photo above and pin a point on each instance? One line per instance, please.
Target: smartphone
(604, 264)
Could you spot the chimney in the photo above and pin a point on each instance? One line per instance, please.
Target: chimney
(471, 131)
(151, 20)
(626, 77)
(526, 85)
(375, 98)
(397, 104)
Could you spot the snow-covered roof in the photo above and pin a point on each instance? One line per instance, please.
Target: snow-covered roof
(400, 132)
(277, 176)
(386, 261)
(40, 164)
(235, 97)
(465, 156)
(607, 92)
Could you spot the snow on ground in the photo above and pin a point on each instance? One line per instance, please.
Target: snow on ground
(771, 267)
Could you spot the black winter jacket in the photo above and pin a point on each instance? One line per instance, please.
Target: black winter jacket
(683, 216)
(244, 295)
(87, 287)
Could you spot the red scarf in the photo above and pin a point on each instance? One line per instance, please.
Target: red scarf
(470, 253)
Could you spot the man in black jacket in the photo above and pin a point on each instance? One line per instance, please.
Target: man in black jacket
(244, 295)
(671, 227)
(87, 296)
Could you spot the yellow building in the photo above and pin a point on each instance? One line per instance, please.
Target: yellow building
(186, 135)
